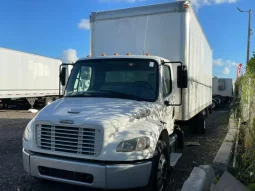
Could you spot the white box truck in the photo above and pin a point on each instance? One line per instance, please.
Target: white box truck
(117, 126)
(223, 89)
(28, 77)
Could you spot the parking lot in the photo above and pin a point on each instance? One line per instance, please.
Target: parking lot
(13, 177)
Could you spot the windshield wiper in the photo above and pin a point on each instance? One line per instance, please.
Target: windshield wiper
(112, 93)
(123, 95)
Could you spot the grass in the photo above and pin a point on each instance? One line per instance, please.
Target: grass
(245, 166)
(244, 95)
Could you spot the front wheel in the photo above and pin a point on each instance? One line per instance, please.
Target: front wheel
(160, 169)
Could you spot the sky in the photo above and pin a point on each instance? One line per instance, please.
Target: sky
(60, 28)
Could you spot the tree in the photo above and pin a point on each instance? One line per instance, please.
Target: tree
(250, 68)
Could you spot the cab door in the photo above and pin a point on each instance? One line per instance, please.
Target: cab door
(167, 94)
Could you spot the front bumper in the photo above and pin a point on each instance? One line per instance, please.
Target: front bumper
(114, 176)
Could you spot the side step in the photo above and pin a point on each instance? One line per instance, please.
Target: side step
(174, 157)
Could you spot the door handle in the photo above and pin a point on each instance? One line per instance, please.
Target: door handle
(163, 122)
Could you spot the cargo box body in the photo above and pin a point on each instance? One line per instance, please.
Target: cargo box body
(167, 30)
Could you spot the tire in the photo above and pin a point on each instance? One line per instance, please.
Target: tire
(48, 101)
(214, 104)
(200, 123)
(197, 123)
(210, 109)
(206, 112)
(160, 169)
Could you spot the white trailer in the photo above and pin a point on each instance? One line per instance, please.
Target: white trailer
(117, 126)
(27, 76)
(223, 87)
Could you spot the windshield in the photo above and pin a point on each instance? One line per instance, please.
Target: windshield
(119, 78)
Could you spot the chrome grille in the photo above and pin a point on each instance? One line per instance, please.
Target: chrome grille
(78, 140)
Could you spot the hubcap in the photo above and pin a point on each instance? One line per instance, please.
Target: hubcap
(162, 172)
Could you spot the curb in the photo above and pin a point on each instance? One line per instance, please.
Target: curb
(222, 160)
(202, 177)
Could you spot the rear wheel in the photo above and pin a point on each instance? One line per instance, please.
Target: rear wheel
(48, 101)
(197, 123)
(210, 108)
(160, 169)
(200, 123)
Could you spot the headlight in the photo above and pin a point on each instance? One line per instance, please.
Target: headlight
(137, 144)
(26, 134)
(27, 131)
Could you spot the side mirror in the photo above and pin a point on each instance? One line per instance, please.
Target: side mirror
(62, 76)
(182, 77)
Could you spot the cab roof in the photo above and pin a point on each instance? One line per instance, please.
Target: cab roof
(157, 58)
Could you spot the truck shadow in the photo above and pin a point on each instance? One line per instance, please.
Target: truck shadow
(204, 153)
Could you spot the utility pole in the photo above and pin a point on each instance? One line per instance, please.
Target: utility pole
(249, 33)
(249, 37)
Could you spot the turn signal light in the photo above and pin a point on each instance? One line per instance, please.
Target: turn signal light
(103, 54)
(128, 53)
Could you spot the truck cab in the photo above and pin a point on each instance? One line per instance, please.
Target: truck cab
(114, 128)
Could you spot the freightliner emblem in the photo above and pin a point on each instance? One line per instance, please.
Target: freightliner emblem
(67, 121)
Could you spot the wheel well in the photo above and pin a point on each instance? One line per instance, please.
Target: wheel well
(165, 137)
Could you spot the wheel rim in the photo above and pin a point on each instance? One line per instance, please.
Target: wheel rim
(162, 172)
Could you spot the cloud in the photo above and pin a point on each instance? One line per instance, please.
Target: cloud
(226, 71)
(198, 3)
(69, 56)
(228, 63)
(218, 62)
(224, 1)
(84, 24)
(120, 1)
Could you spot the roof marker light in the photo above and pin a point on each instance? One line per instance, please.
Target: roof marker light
(89, 56)
(128, 53)
(148, 54)
(103, 54)
(116, 54)
(185, 6)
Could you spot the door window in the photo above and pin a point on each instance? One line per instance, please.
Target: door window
(167, 81)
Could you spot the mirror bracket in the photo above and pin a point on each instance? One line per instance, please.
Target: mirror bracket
(167, 103)
(62, 75)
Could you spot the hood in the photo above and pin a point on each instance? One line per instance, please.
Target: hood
(97, 111)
